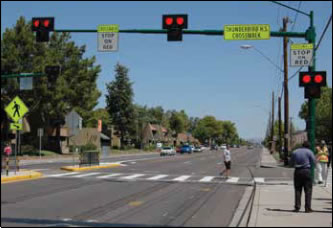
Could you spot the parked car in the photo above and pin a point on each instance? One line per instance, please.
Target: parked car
(197, 149)
(224, 147)
(178, 149)
(186, 149)
(214, 147)
(168, 151)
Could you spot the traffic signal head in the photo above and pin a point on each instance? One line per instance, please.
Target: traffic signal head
(312, 92)
(42, 26)
(53, 73)
(175, 24)
(175, 21)
(312, 79)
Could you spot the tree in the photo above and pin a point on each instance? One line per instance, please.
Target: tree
(99, 114)
(208, 129)
(119, 102)
(75, 88)
(177, 123)
(323, 115)
(229, 135)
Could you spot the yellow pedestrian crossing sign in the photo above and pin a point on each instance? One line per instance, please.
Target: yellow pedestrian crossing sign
(16, 109)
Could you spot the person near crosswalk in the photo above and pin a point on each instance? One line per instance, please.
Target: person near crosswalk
(227, 161)
(322, 161)
(303, 160)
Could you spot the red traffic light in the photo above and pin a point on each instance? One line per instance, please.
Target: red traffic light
(174, 21)
(36, 23)
(306, 79)
(46, 23)
(180, 20)
(169, 20)
(318, 79)
(43, 24)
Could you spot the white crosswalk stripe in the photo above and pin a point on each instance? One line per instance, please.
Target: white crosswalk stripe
(158, 177)
(109, 176)
(259, 180)
(131, 177)
(86, 175)
(181, 178)
(63, 174)
(233, 180)
(207, 179)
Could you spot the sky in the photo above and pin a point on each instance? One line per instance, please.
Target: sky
(203, 75)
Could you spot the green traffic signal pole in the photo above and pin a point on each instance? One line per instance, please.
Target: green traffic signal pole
(312, 102)
(22, 75)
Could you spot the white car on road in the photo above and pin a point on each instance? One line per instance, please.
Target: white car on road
(168, 151)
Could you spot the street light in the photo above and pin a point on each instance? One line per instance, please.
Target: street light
(246, 47)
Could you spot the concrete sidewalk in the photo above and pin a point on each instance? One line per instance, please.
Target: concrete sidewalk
(267, 159)
(273, 207)
(273, 204)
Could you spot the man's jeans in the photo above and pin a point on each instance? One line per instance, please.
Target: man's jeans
(303, 179)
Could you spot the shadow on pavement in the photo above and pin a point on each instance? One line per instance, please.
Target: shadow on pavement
(61, 223)
(292, 211)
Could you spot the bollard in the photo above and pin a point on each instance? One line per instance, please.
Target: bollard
(18, 164)
(7, 166)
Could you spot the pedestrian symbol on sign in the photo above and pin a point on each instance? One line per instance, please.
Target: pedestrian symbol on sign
(17, 108)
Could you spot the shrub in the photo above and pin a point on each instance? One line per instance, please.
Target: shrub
(28, 150)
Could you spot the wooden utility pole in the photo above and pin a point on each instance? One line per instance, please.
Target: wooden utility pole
(273, 120)
(286, 93)
(280, 128)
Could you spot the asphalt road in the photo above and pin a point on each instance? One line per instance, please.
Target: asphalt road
(184, 190)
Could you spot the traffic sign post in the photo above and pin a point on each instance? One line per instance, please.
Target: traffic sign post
(301, 55)
(16, 111)
(40, 133)
(108, 38)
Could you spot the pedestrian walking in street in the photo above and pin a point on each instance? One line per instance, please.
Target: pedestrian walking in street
(322, 161)
(227, 161)
(303, 160)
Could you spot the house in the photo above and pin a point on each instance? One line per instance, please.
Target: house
(298, 138)
(154, 133)
(183, 138)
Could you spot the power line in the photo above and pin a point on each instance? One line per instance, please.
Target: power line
(295, 19)
(324, 32)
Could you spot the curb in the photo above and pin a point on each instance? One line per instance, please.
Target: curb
(76, 169)
(32, 175)
(240, 214)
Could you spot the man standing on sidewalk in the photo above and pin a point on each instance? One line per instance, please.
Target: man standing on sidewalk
(303, 160)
